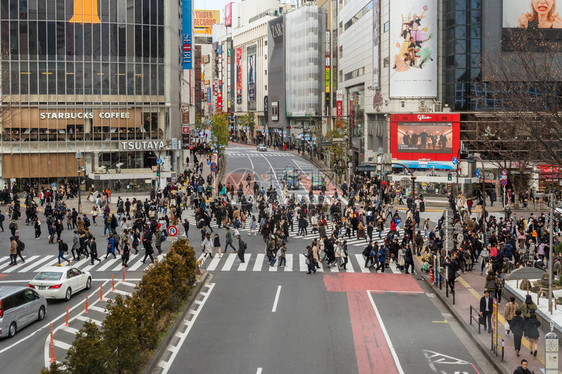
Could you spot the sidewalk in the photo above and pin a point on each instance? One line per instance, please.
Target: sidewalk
(469, 289)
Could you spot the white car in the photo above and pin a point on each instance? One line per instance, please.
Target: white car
(262, 148)
(60, 283)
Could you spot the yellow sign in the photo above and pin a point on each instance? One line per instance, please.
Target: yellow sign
(85, 11)
(205, 19)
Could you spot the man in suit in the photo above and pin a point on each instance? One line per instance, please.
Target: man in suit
(486, 305)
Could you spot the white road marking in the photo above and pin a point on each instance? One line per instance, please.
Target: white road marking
(214, 263)
(274, 174)
(385, 333)
(251, 163)
(166, 365)
(259, 371)
(243, 266)
(259, 262)
(276, 301)
(361, 261)
(36, 264)
(137, 264)
(20, 264)
(229, 262)
(108, 264)
(289, 265)
(302, 262)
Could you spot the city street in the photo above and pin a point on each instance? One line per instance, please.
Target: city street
(34, 339)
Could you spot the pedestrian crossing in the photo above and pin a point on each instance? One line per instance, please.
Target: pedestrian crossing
(229, 262)
(36, 263)
(260, 154)
(352, 241)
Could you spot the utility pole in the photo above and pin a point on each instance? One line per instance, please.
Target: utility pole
(447, 231)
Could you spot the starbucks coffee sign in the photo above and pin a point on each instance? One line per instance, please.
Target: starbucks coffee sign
(84, 115)
(144, 145)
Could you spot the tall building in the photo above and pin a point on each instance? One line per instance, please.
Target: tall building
(97, 76)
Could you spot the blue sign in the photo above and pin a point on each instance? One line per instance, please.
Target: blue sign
(455, 161)
(504, 182)
(187, 35)
(208, 162)
(54, 185)
(213, 169)
(214, 165)
(477, 173)
(159, 161)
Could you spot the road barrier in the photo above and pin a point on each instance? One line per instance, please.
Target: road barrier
(66, 323)
(101, 293)
(86, 312)
(473, 313)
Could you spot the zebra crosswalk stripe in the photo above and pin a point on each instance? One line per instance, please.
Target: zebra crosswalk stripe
(21, 264)
(229, 262)
(259, 262)
(35, 264)
(244, 265)
(214, 263)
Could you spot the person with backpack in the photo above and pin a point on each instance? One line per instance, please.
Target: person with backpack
(158, 239)
(125, 253)
(110, 247)
(20, 248)
(13, 251)
(368, 255)
(63, 247)
(241, 249)
(147, 243)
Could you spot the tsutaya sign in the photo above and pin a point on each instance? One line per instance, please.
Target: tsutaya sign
(85, 115)
(144, 145)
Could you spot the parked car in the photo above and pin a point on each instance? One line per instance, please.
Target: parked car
(19, 306)
(318, 182)
(262, 148)
(60, 283)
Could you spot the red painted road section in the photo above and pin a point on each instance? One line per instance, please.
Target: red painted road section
(371, 348)
(345, 282)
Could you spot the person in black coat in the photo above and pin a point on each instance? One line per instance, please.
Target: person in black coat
(241, 249)
(93, 250)
(532, 332)
(486, 307)
(522, 369)
(517, 326)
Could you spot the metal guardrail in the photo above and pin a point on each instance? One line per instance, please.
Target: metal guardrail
(473, 312)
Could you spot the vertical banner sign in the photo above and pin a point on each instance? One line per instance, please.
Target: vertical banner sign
(339, 106)
(187, 31)
(495, 324)
(413, 33)
(228, 15)
(251, 53)
(266, 108)
(238, 75)
(376, 36)
(328, 65)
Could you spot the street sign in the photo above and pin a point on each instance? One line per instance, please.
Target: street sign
(477, 173)
(455, 161)
(54, 185)
(504, 177)
(208, 162)
(214, 169)
(185, 130)
(174, 144)
(551, 353)
(214, 157)
(159, 161)
(172, 230)
(504, 172)
(213, 164)
(504, 182)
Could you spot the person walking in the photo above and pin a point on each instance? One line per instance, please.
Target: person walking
(367, 252)
(63, 247)
(125, 252)
(158, 240)
(509, 312)
(206, 246)
(186, 228)
(344, 255)
(382, 259)
(13, 251)
(486, 303)
(522, 369)
(531, 329)
(75, 246)
(409, 260)
(241, 249)
(93, 250)
(147, 244)
(37, 227)
(228, 240)
(216, 246)
(310, 261)
(282, 256)
(110, 247)
(528, 307)
(517, 327)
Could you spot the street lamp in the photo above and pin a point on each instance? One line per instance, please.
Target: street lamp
(78, 157)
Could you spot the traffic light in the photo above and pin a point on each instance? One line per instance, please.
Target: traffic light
(158, 172)
(450, 177)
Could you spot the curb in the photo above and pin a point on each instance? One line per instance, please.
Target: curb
(484, 349)
(152, 364)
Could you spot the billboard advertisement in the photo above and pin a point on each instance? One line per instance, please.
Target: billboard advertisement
(413, 34)
(204, 20)
(251, 53)
(187, 35)
(425, 137)
(238, 75)
(376, 37)
(531, 25)
(228, 14)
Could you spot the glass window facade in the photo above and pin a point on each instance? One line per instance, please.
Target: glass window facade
(48, 53)
(463, 35)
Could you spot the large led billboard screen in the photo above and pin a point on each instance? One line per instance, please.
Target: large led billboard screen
(425, 137)
(413, 45)
(531, 25)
